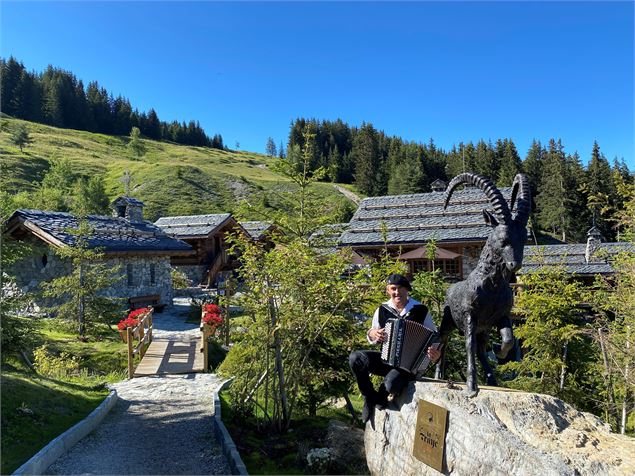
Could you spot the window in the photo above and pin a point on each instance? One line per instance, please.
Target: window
(153, 274)
(129, 274)
(45, 260)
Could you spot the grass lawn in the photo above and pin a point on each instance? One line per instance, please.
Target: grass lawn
(37, 407)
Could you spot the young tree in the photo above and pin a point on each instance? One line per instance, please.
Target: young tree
(557, 357)
(89, 197)
(270, 149)
(78, 294)
(300, 305)
(21, 136)
(135, 144)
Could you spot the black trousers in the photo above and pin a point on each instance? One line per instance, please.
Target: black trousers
(366, 362)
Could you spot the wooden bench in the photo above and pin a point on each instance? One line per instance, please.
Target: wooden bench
(153, 300)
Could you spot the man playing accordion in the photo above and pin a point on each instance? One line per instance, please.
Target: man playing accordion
(366, 362)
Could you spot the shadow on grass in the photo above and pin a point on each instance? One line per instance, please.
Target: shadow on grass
(37, 409)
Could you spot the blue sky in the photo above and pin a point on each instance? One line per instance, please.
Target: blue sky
(450, 71)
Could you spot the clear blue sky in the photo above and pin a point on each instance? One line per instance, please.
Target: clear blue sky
(449, 71)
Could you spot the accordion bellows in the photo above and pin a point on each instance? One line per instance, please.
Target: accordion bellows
(406, 344)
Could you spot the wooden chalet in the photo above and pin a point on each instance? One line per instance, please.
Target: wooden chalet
(408, 222)
(207, 235)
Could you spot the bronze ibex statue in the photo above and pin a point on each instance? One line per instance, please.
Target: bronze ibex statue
(484, 299)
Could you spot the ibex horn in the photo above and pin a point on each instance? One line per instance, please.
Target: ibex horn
(521, 184)
(487, 186)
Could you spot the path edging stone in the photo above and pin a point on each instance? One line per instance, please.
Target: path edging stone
(39, 463)
(227, 444)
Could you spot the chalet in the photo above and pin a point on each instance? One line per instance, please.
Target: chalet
(260, 231)
(405, 223)
(140, 249)
(582, 260)
(207, 235)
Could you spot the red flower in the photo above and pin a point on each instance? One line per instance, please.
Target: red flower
(212, 319)
(212, 308)
(138, 312)
(127, 322)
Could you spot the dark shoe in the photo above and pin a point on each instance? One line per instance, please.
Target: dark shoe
(368, 409)
(382, 397)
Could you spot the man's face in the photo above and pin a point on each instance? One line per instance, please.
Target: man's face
(398, 294)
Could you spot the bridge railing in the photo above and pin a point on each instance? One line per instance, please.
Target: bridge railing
(138, 339)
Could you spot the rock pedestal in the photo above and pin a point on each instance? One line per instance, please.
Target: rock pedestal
(497, 432)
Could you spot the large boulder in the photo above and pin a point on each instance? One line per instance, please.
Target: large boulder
(497, 432)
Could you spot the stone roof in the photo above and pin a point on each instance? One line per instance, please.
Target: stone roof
(128, 200)
(572, 257)
(256, 229)
(193, 225)
(418, 218)
(109, 233)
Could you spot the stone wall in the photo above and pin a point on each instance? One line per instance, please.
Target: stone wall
(497, 432)
(194, 273)
(43, 265)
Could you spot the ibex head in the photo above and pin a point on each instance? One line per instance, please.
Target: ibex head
(509, 233)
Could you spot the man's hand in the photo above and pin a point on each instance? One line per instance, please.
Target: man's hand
(377, 335)
(434, 354)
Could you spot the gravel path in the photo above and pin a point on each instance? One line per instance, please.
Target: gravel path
(160, 425)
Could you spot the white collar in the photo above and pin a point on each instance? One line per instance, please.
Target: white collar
(409, 305)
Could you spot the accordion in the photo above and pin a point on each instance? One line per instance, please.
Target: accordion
(406, 345)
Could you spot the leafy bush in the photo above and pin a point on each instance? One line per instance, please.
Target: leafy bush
(50, 365)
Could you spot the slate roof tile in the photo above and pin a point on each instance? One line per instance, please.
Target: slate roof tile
(416, 218)
(572, 257)
(192, 225)
(256, 229)
(110, 233)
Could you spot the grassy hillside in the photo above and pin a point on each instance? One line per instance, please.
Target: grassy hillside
(171, 179)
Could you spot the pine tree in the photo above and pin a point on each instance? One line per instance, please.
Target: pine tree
(135, 143)
(369, 176)
(270, 149)
(510, 164)
(552, 193)
(21, 137)
(485, 160)
(600, 190)
(532, 166)
(11, 74)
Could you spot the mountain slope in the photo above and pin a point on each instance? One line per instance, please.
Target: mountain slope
(171, 179)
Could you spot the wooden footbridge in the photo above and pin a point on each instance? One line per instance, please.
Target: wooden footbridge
(161, 356)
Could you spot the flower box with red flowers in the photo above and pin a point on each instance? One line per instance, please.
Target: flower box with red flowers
(211, 318)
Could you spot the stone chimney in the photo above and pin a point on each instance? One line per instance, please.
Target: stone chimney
(129, 208)
(438, 186)
(594, 239)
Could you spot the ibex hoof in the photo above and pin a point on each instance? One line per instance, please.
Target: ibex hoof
(471, 392)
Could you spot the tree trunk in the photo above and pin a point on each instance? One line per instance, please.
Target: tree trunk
(279, 367)
(563, 370)
(607, 380)
(627, 392)
(80, 306)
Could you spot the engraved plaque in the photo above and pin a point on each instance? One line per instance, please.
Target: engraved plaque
(429, 440)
